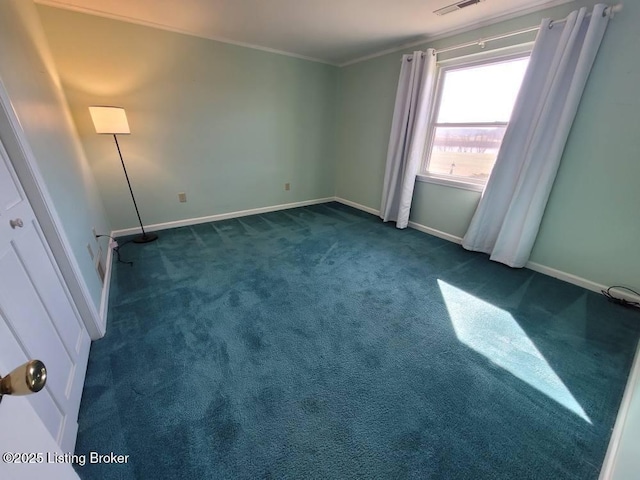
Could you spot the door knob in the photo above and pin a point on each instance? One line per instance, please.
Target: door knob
(27, 378)
(16, 223)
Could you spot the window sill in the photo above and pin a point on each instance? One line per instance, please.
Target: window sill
(449, 182)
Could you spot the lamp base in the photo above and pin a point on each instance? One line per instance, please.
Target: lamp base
(146, 238)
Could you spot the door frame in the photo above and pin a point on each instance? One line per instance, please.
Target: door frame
(24, 163)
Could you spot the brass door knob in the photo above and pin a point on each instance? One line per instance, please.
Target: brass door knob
(27, 378)
(16, 223)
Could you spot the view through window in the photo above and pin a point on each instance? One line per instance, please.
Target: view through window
(474, 105)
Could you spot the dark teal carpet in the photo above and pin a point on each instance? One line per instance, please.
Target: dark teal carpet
(320, 343)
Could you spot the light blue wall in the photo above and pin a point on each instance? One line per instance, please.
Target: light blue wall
(227, 125)
(591, 226)
(592, 223)
(230, 126)
(366, 94)
(29, 76)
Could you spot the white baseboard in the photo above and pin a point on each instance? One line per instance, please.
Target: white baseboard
(104, 299)
(536, 267)
(414, 225)
(579, 281)
(630, 399)
(567, 277)
(359, 206)
(221, 216)
(634, 378)
(436, 233)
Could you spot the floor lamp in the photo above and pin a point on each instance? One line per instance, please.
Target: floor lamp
(113, 121)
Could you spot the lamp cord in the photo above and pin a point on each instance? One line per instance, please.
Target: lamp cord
(144, 234)
(117, 248)
(619, 300)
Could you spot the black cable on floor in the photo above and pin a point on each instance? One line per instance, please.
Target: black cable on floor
(621, 301)
(117, 249)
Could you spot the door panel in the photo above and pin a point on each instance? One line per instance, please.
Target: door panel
(19, 302)
(38, 312)
(33, 255)
(22, 428)
(9, 193)
(52, 417)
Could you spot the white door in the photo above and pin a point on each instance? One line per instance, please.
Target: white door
(22, 431)
(37, 315)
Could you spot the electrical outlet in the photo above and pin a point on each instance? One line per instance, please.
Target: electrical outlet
(182, 197)
(287, 186)
(90, 251)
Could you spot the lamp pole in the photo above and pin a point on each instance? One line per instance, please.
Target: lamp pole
(145, 237)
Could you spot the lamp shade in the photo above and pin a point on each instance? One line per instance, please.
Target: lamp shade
(109, 120)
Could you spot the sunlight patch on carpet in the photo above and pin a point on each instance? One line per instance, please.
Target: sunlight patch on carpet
(495, 334)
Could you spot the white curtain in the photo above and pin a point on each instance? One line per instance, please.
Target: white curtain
(508, 216)
(408, 135)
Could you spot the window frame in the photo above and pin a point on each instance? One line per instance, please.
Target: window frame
(443, 66)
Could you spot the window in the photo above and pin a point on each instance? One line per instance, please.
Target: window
(473, 104)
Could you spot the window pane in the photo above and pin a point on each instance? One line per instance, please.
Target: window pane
(465, 152)
(484, 93)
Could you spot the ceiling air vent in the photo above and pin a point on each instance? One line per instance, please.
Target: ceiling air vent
(456, 6)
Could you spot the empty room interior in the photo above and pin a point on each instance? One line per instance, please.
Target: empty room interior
(319, 239)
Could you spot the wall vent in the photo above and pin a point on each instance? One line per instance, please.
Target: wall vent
(99, 264)
(456, 6)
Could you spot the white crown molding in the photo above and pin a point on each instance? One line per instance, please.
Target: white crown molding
(508, 15)
(161, 26)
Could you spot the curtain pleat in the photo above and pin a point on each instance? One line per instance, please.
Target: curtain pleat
(509, 214)
(408, 135)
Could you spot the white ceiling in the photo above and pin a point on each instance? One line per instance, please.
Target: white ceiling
(330, 31)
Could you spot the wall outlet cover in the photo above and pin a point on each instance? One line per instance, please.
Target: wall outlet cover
(182, 197)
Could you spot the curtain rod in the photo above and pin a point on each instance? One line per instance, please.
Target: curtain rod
(481, 41)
